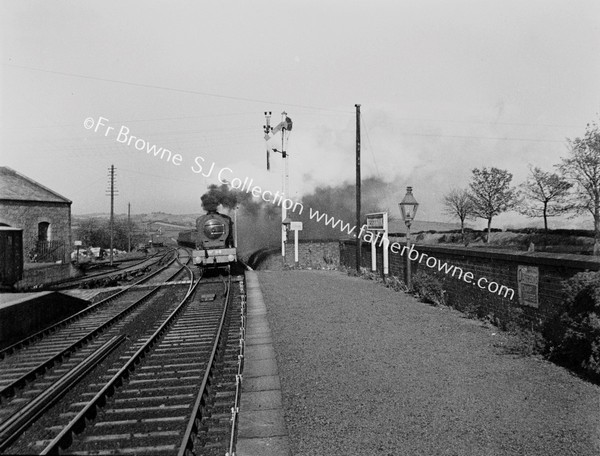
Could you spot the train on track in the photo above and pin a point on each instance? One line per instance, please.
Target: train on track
(212, 241)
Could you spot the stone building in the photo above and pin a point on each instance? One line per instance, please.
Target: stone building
(42, 214)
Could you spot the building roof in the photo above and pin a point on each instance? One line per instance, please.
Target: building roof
(16, 187)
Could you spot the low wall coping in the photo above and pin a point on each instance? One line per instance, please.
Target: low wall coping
(535, 258)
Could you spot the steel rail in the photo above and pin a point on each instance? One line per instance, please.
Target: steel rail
(64, 438)
(17, 423)
(49, 362)
(187, 443)
(40, 334)
(7, 391)
(133, 267)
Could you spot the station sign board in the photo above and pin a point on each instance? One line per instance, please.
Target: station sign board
(528, 281)
(377, 221)
(296, 226)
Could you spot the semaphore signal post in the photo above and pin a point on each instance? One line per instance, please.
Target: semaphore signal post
(285, 126)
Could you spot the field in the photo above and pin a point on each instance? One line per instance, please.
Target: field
(558, 241)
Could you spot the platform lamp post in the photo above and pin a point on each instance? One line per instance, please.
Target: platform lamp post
(408, 209)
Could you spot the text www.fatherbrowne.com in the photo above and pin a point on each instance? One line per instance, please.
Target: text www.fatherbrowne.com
(414, 255)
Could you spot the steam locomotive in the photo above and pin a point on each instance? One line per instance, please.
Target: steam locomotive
(212, 241)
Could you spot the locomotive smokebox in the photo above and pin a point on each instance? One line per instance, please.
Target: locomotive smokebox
(215, 246)
(213, 231)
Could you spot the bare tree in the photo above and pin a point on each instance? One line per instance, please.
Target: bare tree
(582, 167)
(458, 204)
(546, 194)
(491, 194)
(96, 233)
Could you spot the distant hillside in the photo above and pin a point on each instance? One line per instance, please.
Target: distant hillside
(174, 219)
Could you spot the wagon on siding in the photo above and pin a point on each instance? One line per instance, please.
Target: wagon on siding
(11, 256)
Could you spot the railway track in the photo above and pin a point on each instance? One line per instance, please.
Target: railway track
(161, 389)
(123, 270)
(32, 365)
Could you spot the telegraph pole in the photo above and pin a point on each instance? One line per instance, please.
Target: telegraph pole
(358, 226)
(128, 227)
(111, 176)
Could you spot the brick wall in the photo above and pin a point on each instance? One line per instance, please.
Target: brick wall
(28, 214)
(35, 275)
(493, 265)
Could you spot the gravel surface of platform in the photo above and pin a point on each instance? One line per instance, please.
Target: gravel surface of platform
(368, 371)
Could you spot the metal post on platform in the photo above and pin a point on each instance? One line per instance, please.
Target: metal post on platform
(408, 265)
(374, 256)
(386, 245)
(408, 209)
(296, 247)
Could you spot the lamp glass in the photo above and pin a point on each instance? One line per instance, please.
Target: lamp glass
(408, 206)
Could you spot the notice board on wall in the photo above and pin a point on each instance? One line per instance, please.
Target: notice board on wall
(528, 278)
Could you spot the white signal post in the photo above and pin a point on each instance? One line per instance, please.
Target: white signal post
(378, 222)
(283, 126)
(285, 185)
(295, 227)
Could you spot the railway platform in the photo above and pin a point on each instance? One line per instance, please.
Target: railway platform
(23, 314)
(364, 370)
(262, 428)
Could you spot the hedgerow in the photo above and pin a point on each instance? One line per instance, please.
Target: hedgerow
(428, 288)
(574, 335)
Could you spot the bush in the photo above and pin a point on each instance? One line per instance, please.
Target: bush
(455, 237)
(574, 335)
(523, 341)
(395, 284)
(558, 232)
(428, 288)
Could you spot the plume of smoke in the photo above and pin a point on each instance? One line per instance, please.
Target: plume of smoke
(258, 222)
(218, 196)
(340, 202)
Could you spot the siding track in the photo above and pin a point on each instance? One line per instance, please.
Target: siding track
(162, 387)
(30, 367)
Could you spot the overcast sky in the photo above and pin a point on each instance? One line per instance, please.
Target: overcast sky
(444, 86)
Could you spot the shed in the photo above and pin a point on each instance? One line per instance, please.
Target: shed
(42, 214)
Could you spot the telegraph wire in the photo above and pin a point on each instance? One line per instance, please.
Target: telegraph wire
(255, 100)
(172, 89)
(362, 117)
